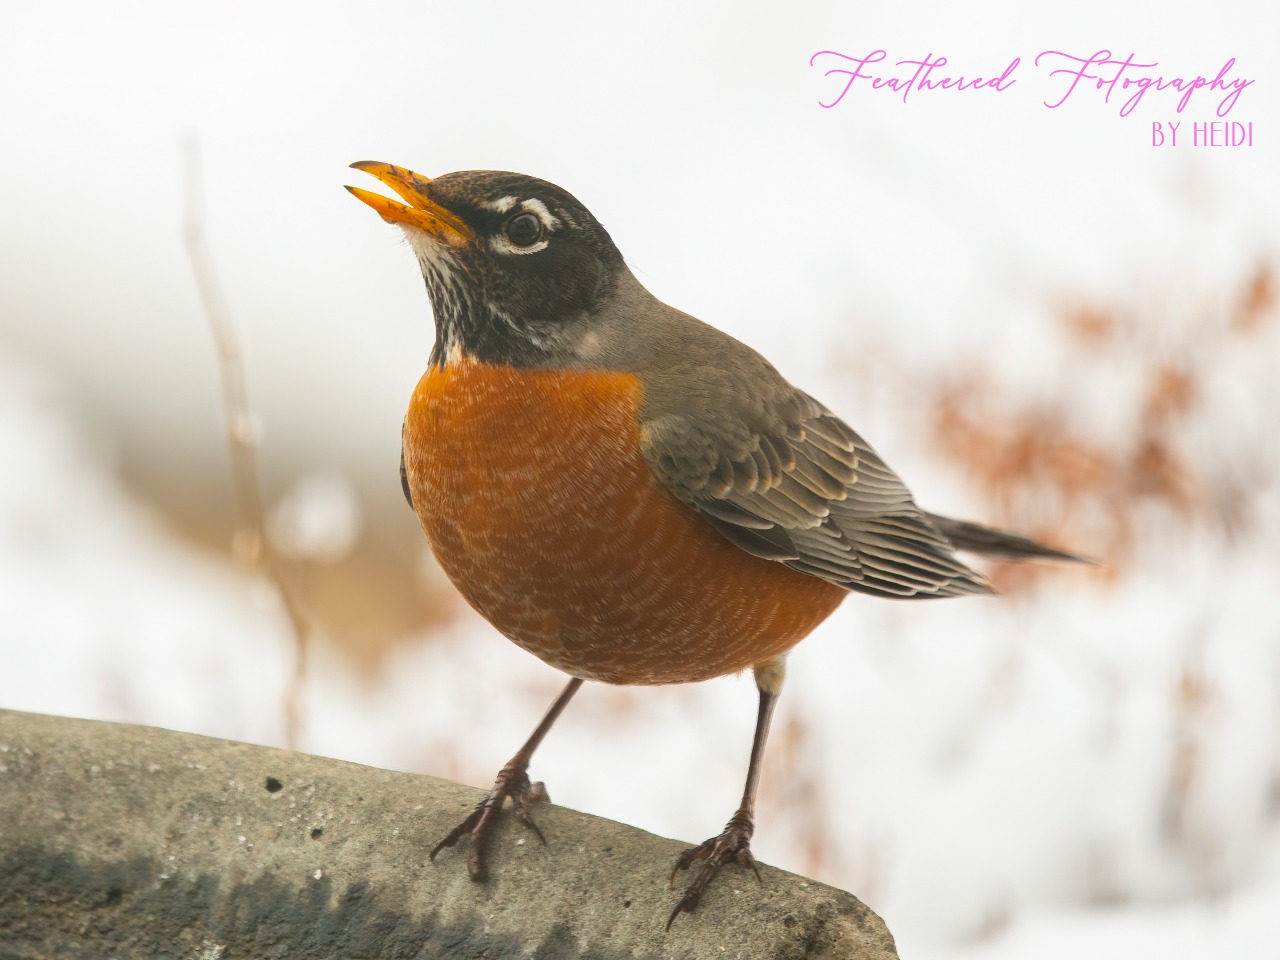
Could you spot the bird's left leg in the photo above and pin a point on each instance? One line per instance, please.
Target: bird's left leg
(734, 844)
(512, 781)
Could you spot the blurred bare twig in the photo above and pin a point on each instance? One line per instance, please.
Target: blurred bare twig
(250, 541)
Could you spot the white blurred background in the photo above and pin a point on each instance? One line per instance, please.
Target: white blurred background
(1037, 317)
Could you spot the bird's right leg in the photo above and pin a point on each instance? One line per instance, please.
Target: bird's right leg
(734, 844)
(512, 781)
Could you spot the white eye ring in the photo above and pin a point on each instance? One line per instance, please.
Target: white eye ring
(524, 229)
(529, 210)
(532, 207)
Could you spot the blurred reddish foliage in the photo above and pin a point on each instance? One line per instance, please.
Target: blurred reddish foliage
(1054, 481)
(1258, 302)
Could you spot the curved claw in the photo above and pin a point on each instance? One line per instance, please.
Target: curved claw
(732, 846)
(521, 814)
(465, 827)
(478, 825)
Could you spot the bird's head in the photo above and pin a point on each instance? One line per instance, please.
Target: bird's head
(516, 268)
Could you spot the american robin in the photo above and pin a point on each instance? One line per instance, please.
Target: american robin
(626, 492)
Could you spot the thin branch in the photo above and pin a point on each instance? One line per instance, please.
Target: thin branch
(250, 541)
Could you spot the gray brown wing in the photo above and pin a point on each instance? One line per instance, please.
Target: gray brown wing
(808, 492)
(404, 474)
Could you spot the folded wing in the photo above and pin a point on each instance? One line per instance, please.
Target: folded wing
(807, 491)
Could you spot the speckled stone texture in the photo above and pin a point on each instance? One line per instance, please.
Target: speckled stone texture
(120, 841)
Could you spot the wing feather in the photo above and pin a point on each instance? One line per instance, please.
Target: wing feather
(807, 491)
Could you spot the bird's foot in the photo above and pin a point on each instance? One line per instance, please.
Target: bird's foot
(512, 781)
(732, 846)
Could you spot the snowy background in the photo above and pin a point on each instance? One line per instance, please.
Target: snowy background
(1037, 317)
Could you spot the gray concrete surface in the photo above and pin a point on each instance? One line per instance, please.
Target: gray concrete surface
(121, 841)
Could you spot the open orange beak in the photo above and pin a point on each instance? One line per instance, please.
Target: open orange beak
(418, 211)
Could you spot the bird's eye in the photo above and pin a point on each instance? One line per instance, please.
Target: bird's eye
(524, 229)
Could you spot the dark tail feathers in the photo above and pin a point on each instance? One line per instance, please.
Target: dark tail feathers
(997, 543)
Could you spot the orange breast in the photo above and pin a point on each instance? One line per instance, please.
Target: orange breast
(533, 494)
